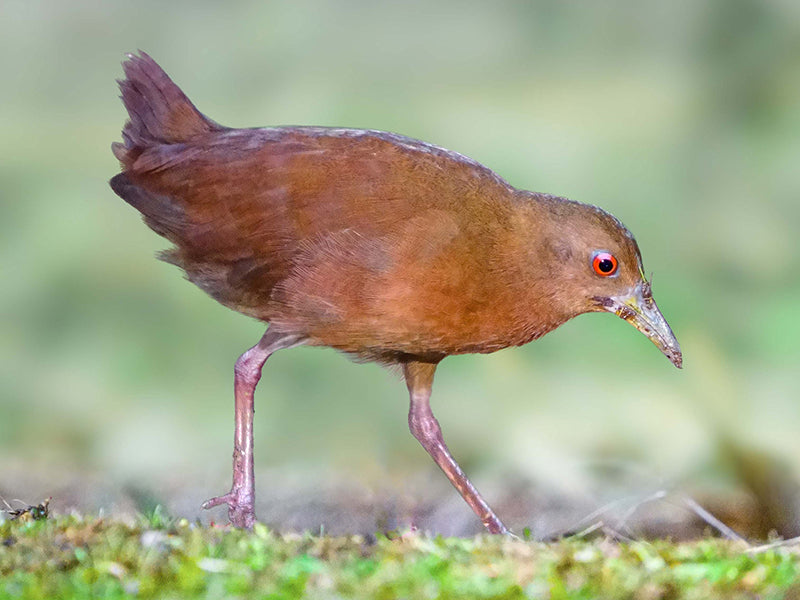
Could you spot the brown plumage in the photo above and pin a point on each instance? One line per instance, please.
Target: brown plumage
(378, 245)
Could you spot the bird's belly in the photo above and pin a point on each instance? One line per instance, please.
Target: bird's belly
(428, 323)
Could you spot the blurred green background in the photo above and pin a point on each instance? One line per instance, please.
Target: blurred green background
(681, 118)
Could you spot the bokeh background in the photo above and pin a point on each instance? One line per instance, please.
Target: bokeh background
(682, 118)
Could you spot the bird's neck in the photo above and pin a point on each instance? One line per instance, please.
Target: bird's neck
(528, 261)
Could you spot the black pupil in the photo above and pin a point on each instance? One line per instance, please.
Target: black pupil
(605, 265)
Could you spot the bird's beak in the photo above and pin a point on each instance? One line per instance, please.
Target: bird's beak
(639, 309)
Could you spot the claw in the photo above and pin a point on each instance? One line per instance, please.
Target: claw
(241, 511)
(217, 500)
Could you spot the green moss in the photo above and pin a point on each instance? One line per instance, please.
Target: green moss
(73, 557)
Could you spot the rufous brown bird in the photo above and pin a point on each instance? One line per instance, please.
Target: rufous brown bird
(383, 247)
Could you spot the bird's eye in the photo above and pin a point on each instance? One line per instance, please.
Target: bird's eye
(604, 264)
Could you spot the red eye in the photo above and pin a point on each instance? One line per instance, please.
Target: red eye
(604, 264)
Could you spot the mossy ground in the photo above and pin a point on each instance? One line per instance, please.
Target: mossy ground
(74, 557)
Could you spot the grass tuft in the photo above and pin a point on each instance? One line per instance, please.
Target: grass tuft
(74, 556)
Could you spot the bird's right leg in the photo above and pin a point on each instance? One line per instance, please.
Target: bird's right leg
(241, 498)
(425, 427)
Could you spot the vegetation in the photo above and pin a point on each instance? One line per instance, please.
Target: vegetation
(73, 556)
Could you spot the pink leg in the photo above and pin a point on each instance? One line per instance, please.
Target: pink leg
(247, 373)
(425, 427)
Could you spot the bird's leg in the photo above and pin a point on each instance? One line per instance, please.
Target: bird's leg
(425, 427)
(247, 373)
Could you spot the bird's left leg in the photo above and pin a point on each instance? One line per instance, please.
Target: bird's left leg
(247, 373)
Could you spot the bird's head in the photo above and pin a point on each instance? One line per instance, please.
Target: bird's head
(600, 269)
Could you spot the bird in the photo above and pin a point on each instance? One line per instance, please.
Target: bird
(383, 247)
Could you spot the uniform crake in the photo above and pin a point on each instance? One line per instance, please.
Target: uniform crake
(378, 245)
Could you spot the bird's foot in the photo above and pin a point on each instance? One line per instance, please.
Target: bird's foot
(495, 526)
(241, 507)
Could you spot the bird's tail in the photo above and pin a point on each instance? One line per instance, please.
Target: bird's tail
(160, 113)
